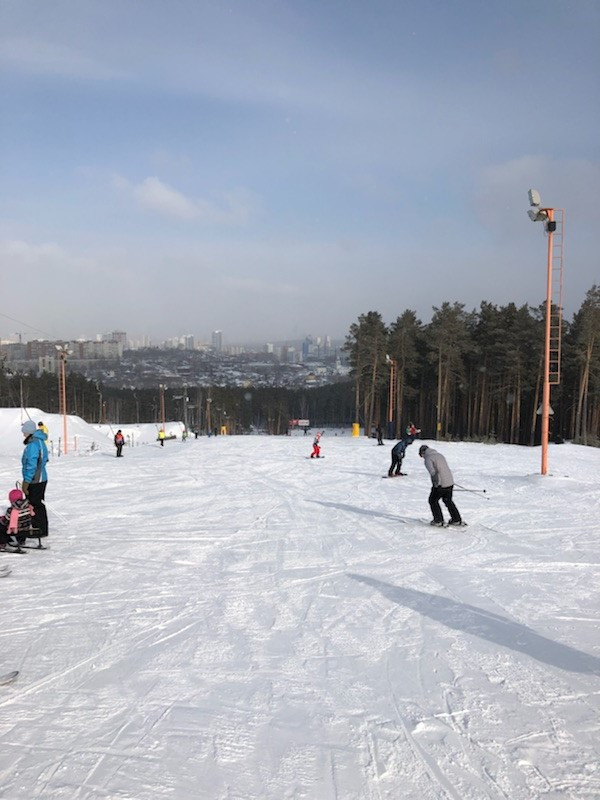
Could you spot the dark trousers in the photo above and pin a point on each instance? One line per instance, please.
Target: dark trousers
(443, 493)
(396, 465)
(119, 449)
(35, 496)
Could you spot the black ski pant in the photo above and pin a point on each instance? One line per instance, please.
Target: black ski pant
(443, 493)
(396, 465)
(119, 449)
(35, 495)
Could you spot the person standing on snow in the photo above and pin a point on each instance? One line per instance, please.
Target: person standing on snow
(442, 485)
(398, 452)
(35, 477)
(316, 453)
(119, 442)
(379, 433)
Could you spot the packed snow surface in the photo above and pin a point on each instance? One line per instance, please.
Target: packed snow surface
(225, 618)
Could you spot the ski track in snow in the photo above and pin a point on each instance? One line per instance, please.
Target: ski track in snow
(224, 618)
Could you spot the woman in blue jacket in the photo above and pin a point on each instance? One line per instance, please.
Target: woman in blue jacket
(35, 478)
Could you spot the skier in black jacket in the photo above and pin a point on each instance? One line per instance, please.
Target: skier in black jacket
(398, 452)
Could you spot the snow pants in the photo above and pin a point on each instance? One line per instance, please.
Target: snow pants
(443, 493)
(35, 495)
(396, 465)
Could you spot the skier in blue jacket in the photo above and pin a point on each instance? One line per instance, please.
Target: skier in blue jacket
(35, 477)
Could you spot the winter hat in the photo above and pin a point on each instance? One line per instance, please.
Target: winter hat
(422, 449)
(14, 495)
(27, 428)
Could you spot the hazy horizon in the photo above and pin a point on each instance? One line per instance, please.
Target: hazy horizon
(275, 170)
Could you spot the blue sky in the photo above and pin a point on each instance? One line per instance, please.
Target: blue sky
(274, 168)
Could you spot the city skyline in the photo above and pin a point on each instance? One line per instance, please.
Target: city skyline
(275, 169)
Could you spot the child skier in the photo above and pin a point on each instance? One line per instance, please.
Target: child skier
(316, 453)
(15, 524)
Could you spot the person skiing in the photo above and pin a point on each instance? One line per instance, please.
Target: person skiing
(119, 442)
(316, 453)
(398, 453)
(35, 477)
(379, 432)
(161, 437)
(442, 485)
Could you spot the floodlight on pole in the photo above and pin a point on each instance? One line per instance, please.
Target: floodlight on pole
(552, 331)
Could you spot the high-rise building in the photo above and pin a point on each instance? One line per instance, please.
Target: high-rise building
(217, 341)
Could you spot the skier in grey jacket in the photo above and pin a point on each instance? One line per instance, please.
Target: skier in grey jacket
(442, 486)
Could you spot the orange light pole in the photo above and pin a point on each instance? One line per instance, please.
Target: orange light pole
(552, 343)
(392, 396)
(63, 352)
(546, 387)
(162, 406)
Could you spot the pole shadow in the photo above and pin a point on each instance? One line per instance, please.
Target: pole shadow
(493, 627)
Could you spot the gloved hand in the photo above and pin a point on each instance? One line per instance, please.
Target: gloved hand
(25, 488)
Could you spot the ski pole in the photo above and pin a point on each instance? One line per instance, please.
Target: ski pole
(473, 491)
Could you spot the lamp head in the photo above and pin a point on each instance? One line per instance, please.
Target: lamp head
(534, 197)
(537, 215)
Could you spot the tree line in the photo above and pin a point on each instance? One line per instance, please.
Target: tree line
(477, 374)
(464, 375)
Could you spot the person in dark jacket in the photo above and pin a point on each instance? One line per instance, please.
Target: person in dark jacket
(398, 453)
(379, 433)
(35, 477)
(119, 442)
(442, 485)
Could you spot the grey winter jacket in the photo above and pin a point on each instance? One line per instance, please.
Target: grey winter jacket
(438, 468)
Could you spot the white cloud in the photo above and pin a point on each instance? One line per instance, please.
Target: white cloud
(154, 195)
(237, 206)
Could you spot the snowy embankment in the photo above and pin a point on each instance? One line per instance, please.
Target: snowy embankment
(225, 618)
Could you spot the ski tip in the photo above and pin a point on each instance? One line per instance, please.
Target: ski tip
(9, 677)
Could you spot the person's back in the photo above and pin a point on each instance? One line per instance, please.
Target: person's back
(399, 448)
(438, 468)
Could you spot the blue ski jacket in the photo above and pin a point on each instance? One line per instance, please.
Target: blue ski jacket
(35, 458)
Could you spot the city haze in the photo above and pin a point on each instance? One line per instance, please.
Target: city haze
(276, 169)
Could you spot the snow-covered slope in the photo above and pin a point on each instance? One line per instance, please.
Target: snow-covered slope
(225, 618)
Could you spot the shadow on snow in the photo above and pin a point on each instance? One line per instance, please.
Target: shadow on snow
(494, 628)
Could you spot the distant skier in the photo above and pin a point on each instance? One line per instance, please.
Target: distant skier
(119, 442)
(412, 431)
(379, 432)
(161, 437)
(316, 453)
(442, 486)
(398, 453)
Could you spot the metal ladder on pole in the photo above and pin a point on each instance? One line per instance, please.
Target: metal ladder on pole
(556, 307)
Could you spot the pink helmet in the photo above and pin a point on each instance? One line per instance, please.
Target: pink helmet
(14, 495)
